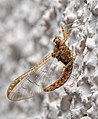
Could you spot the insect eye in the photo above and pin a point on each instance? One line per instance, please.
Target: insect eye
(56, 40)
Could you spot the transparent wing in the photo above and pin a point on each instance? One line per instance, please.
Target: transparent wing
(40, 76)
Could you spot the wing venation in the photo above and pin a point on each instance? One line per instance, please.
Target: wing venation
(37, 78)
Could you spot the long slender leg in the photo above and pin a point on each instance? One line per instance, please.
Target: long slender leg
(65, 34)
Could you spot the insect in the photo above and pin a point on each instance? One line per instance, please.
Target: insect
(26, 85)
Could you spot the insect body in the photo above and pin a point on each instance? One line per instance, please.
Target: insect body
(63, 54)
(22, 87)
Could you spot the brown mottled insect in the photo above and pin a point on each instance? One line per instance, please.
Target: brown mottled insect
(64, 54)
(59, 63)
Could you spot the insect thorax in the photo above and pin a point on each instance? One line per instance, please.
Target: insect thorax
(62, 53)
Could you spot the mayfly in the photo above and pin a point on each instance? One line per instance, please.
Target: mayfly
(28, 83)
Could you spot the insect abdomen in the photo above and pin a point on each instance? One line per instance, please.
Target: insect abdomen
(62, 80)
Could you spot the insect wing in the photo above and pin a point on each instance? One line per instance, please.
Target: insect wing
(37, 78)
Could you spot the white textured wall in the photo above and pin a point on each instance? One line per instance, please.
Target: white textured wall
(26, 31)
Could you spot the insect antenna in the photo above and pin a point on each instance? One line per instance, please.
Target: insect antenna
(66, 34)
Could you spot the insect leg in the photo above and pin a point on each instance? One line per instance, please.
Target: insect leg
(65, 34)
(74, 82)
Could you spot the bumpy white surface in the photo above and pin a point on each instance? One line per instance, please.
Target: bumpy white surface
(26, 30)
